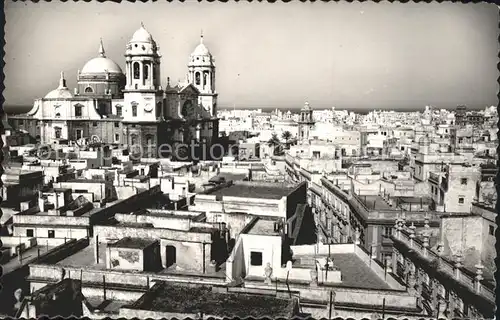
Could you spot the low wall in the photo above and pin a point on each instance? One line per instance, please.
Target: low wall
(311, 249)
(370, 297)
(109, 233)
(39, 219)
(297, 274)
(136, 281)
(148, 314)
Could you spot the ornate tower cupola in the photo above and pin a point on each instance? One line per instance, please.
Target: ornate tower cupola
(142, 62)
(306, 122)
(201, 74)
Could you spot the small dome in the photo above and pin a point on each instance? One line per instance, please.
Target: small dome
(62, 92)
(101, 65)
(142, 35)
(201, 49)
(306, 106)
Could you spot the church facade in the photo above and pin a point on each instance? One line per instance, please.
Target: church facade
(129, 108)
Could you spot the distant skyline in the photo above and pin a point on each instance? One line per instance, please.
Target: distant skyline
(354, 56)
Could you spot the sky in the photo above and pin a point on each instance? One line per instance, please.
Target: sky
(343, 55)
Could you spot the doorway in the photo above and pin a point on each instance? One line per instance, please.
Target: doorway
(171, 253)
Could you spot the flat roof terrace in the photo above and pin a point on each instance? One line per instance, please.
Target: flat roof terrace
(374, 203)
(254, 191)
(263, 227)
(27, 256)
(171, 298)
(355, 273)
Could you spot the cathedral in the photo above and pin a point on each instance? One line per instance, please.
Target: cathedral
(129, 108)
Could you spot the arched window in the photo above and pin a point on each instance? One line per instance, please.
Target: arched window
(58, 115)
(146, 71)
(197, 78)
(205, 79)
(158, 109)
(89, 90)
(119, 110)
(134, 110)
(136, 70)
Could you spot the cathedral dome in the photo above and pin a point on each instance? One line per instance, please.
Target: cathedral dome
(62, 92)
(101, 64)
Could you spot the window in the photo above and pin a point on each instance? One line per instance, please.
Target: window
(117, 137)
(463, 181)
(89, 90)
(94, 123)
(492, 230)
(78, 111)
(205, 77)
(388, 231)
(136, 70)
(255, 258)
(102, 108)
(461, 200)
(29, 232)
(134, 111)
(197, 78)
(51, 234)
(79, 134)
(117, 124)
(146, 71)
(57, 132)
(119, 111)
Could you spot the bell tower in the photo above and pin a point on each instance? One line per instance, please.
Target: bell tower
(143, 95)
(201, 74)
(306, 123)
